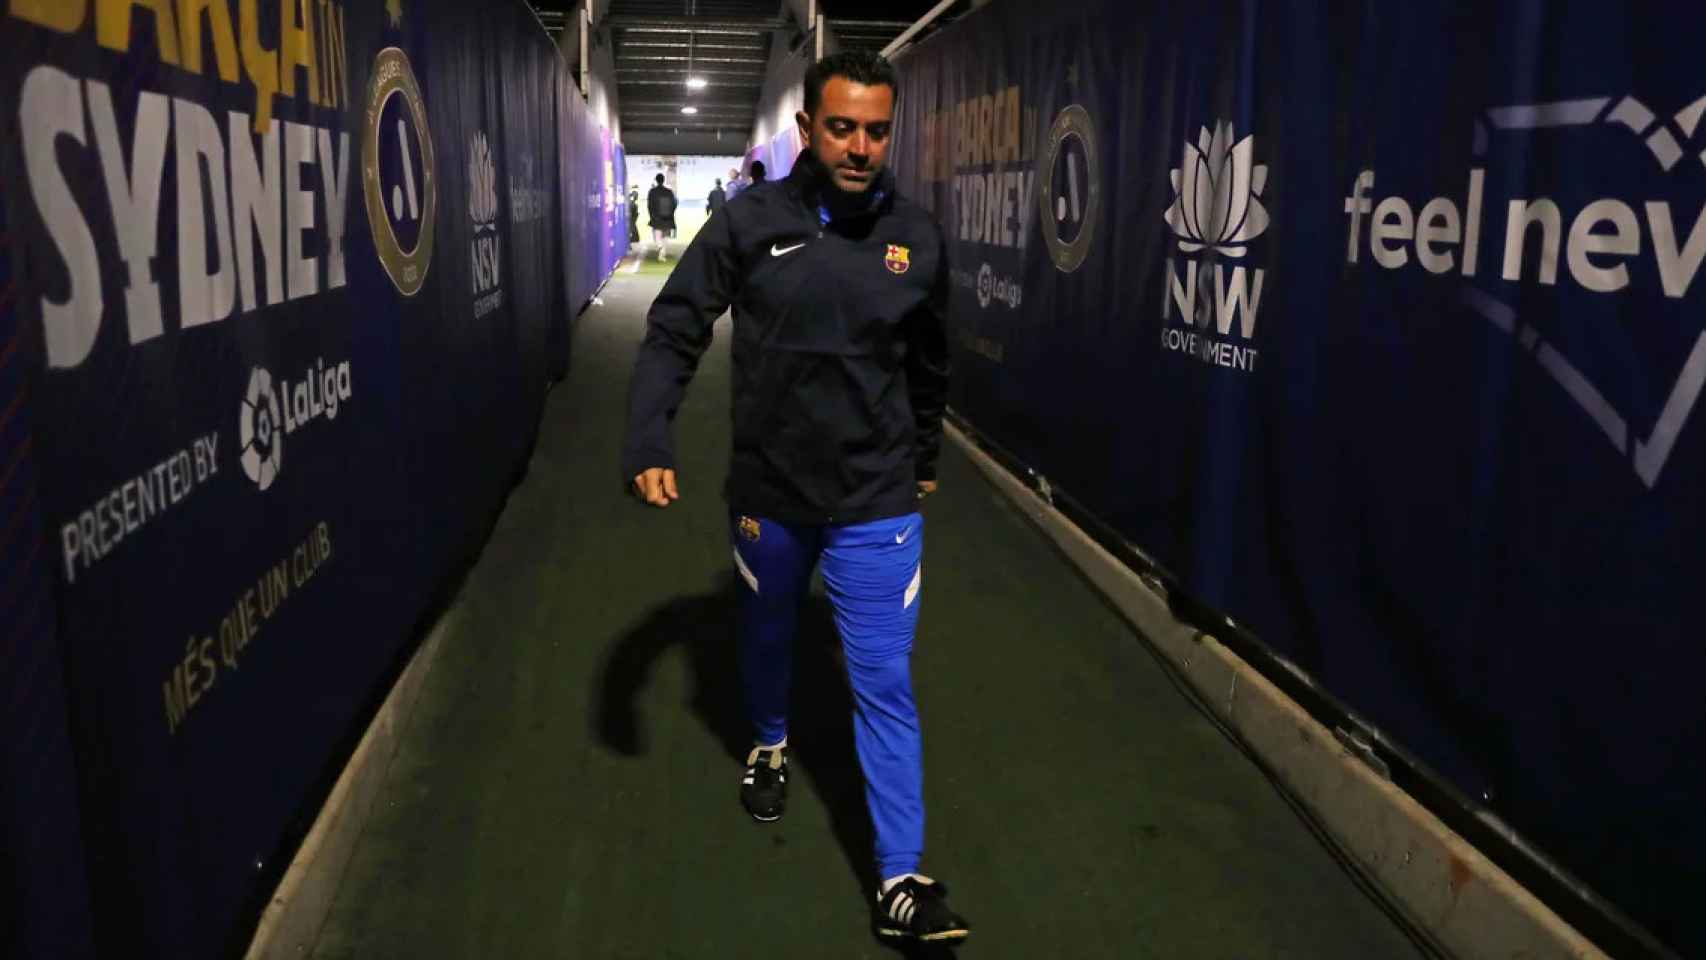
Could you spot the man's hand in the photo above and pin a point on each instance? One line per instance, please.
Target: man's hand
(926, 488)
(656, 486)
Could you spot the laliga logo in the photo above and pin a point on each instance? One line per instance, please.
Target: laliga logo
(1217, 193)
(260, 430)
(998, 289)
(262, 421)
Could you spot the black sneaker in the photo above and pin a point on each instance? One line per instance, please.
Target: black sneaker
(764, 790)
(916, 908)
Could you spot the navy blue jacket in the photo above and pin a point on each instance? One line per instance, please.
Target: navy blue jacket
(840, 351)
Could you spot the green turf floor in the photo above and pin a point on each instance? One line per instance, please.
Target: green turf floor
(644, 256)
(567, 786)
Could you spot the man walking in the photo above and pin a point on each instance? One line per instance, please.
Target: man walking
(660, 206)
(634, 217)
(715, 201)
(839, 288)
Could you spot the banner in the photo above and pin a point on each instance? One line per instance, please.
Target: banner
(1379, 326)
(289, 282)
(777, 154)
(45, 910)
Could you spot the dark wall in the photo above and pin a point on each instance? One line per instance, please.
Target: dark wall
(271, 360)
(1456, 480)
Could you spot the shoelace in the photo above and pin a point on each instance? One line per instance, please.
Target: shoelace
(768, 771)
(774, 763)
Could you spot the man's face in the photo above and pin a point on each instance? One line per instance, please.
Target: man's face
(849, 135)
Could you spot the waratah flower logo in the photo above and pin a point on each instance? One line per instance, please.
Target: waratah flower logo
(1217, 193)
(482, 182)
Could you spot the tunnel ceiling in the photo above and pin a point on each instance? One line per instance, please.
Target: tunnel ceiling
(728, 43)
(725, 42)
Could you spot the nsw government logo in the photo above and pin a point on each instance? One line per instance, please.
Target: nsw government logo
(264, 418)
(1217, 211)
(485, 254)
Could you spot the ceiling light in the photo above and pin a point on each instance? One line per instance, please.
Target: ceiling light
(696, 83)
(690, 110)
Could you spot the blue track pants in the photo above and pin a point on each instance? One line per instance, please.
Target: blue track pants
(873, 574)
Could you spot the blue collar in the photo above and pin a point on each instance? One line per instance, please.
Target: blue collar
(824, 217)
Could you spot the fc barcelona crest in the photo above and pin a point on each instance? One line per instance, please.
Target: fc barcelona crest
(749, 529)
(897, 259)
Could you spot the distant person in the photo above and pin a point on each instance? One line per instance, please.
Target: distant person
(736, 184)
(660, 205)
(633, 216)
(717, 198)
(757, 172)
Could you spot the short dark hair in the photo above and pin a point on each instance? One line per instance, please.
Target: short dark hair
(859, 66)
(660, 179)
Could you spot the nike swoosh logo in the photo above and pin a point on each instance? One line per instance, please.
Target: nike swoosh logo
(901, 536)
(777, 251)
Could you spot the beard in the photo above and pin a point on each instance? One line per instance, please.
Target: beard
(840, 200)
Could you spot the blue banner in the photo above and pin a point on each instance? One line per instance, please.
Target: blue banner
(43, 865)
(1377, 325)
(289, 282)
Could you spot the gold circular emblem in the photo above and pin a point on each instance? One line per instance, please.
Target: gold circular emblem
(1066, 203)
(409, 201)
